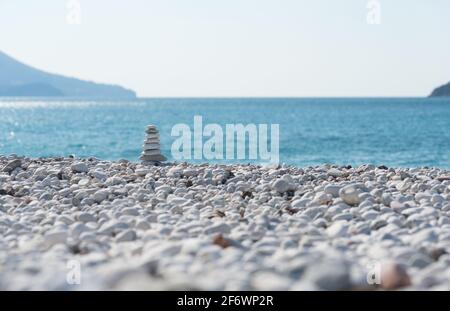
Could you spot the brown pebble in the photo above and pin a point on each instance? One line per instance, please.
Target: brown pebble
(221, 241)
(443, 178)
(394, 276)
(437, 253)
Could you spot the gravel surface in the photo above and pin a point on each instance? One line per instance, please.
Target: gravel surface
(121, 225)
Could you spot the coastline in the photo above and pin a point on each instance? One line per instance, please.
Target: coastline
(221, 227)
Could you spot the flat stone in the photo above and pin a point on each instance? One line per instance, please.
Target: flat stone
(79, 167)
(142, 171)
(151, 141)
(151, 158)
(335, 172)
(154, 152)
(152, 136)
(151, 146)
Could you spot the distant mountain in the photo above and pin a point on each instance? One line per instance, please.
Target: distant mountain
(442, 91)
(18, 79)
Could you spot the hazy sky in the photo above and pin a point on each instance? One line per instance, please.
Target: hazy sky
(237, 47)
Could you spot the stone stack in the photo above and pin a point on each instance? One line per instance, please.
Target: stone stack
(152, 149)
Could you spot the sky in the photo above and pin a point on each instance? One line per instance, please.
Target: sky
(236, 48)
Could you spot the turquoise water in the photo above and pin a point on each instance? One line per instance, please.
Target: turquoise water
(394, 132)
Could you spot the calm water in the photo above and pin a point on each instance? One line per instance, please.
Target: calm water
(394, 132)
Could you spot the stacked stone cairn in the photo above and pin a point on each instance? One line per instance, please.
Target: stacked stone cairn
(151, 153)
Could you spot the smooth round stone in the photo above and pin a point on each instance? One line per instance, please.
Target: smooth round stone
(394, 276)
(79, 167)
(87, 236)
(370, 215)
(142, 172)
(350, 195)
(142, 225)
(338, 229)
(126, 236)
(378, 223)
(85, 217)
(343, 216)
(329, 275)
(84, 182)
(335, 172)
(100, 196)
(282, 185)
(130, 211)
(77, 228)
(99, 174)
(55, 237)
(332, 190)
(322, 198)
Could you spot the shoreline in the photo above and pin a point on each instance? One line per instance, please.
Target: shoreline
(221, 227)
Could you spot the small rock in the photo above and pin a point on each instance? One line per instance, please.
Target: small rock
(86, 217)
(221, 241)
(334, 172)
(126, 236)
(55, 237)
(332, 190)
(282, 185)
(350, 195)
(338, 229)
(79, 167)
(329, 275)
(84, 182)
(100, 196)
(12, 165)
(143, 225)
(100, 175)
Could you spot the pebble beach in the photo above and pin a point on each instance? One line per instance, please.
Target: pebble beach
(181, 226)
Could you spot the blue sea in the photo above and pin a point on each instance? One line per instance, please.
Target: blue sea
(405, 132)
